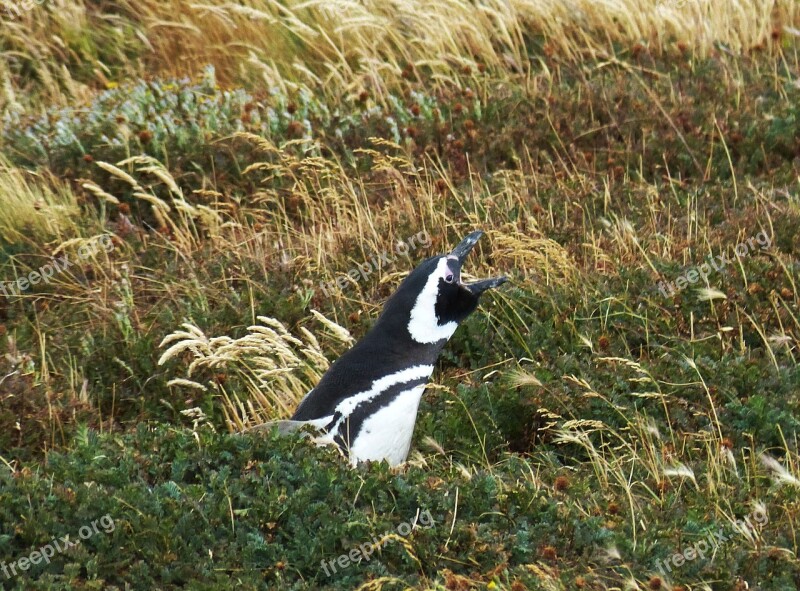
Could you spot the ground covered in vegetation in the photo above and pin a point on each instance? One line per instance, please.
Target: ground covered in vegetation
(182, 185)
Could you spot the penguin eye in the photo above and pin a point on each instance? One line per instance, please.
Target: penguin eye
(448, 278)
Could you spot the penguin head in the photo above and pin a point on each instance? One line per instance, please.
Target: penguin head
(434, 299)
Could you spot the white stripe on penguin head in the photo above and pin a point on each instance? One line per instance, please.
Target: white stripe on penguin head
(424, 324)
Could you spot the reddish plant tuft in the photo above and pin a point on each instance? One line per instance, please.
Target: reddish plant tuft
(561, 483)
(295, 129)
(549, 553)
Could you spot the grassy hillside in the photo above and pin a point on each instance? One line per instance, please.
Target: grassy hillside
(184, 188)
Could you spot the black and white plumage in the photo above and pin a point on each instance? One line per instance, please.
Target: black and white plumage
(367, 400)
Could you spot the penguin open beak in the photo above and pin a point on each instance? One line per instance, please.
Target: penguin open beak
(465, 247)
(461, 251)
(478, 287)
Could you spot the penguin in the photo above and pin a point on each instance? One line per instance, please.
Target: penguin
(367, 401)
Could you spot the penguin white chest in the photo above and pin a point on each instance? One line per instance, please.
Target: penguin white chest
(386, 434)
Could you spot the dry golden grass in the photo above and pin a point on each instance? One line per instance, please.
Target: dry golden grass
(277, 367)
(342, 47)
(34, 205)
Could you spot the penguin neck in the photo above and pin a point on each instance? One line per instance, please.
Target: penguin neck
(390, 336)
